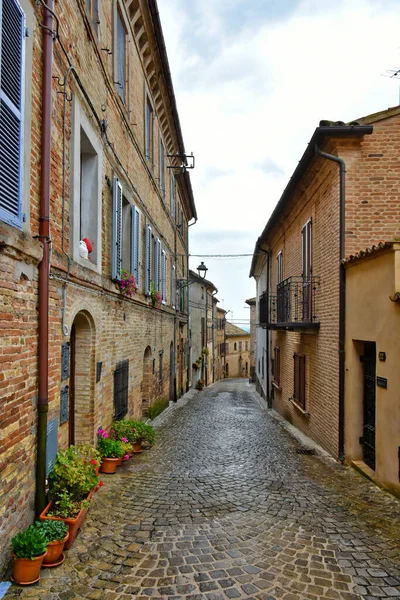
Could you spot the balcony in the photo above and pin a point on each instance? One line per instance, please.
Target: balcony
(294, 305)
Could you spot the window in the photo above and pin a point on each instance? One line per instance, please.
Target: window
(277, 366)
(227, 369)
(126, 235)
(149, 132)
(121, 388)
(247, 346)
(247, 368)
(163, 288)
(227, 347)
(12, 56)
(307, 271)
(122, 58)
(279, 267)
(235, 346)
(299, 394)
(162, 169)
(173, 191)
(86, 189)
(203, 332)
(240, 346)
(92, 7)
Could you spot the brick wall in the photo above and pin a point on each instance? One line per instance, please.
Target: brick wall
(109, 328)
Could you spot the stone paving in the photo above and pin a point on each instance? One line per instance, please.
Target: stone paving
(223, 507)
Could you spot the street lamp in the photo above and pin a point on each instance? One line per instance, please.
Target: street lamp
(202, 270)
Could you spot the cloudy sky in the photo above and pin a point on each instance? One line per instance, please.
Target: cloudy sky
(253, 78)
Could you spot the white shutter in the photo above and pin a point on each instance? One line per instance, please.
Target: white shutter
(148, 259)
(164, 276)
(157, 266)
(173, 286)
(117, 230)
(135, 245)
(12, 57)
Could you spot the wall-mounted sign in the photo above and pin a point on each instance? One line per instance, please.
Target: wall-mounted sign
(51, 445)
(65, 361)
(381, 382)
(382, 356)
(64, 405)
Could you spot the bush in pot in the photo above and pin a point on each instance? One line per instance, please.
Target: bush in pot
(110, 450)
(56, 534)
(29, 549)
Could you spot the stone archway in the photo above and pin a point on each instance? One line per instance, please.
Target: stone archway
(146, 381)
(82, 380)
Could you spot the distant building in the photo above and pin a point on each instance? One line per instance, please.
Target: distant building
(202, 306)
(237, 355)
(220, 342)
(252, 302)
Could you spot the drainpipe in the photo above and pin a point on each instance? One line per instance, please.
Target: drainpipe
(44, 266)
(342, 291)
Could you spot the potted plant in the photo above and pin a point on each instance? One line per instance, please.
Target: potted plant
(56, 534)
(196, 366)
(28, 551)
(71, 484)
(155, 296)
(205, 351)
(200, 384)
(127, 284)
(126, 450)
(110, 451)
(90, 455)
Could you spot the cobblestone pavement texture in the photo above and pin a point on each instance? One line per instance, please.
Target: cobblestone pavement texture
(223, 507)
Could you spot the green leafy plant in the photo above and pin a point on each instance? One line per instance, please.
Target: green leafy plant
(133, 431)
(108, 447)
(157, 408)
(127, 284)
(205, 351)
(73, 477)
(29, 543)
(53, 531)
(89, 453)
(146, 433)
(156, 297)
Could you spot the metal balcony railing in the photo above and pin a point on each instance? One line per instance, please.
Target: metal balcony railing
(294, 305)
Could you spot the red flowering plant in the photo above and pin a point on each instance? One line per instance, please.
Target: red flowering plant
(127, 284)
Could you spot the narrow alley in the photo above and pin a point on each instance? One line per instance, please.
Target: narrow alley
(224, 507)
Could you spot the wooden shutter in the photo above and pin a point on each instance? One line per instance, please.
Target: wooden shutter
(12, 56)
(117, 230)
(149, 257)
(135, 245)
(164, 275)
(173, 286)
(300, 380)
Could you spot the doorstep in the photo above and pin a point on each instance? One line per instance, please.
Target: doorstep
(364, 469)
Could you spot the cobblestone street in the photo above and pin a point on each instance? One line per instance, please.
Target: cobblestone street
(223, 507)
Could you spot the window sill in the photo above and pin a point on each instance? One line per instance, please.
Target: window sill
(305, 413)
(83, 262)
(277, 386)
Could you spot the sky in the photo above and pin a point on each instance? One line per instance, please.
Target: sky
(252, 80)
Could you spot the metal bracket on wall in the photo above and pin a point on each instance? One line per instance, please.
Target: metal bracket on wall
(184, 158)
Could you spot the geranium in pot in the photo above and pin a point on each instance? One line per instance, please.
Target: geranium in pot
(56, 534)
(71, 484)
(126, 450)
(28, 551)
(110, 450)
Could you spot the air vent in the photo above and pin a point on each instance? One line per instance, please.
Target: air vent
(309, 451)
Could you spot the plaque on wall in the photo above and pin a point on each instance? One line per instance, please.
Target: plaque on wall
(65, 361)
(51, 444)
(64, 402)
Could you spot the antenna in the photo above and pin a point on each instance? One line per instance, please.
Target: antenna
(393, 74)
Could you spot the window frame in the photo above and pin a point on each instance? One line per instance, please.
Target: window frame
(119, 10)
(80, 120)
(149, 116)
(299, 380)
(277, 366)
(279, 267)
(161, 166)
(122, 368)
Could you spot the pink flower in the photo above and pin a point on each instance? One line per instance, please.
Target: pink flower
(126, 457)
(124, 440)
(100, 431)
(104, 434)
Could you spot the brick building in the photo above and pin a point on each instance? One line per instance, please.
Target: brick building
(341, 198)
(237, 351)
(90, 147)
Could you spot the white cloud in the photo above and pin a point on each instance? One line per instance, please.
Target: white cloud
(251, 87)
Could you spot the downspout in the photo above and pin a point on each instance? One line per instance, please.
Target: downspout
(44, 266)
(268, 332)
(342, 291)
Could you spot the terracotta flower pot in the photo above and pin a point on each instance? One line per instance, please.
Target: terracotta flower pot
(119, 463)
(109, 465)
(54, 555)
(74, 525)
(137, 447)
(26, 570)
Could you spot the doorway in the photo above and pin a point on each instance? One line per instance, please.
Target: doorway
(369, 403)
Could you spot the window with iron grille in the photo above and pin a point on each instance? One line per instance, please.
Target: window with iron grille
(121, 386)
(160, 370)
(277, 366)
(299, 394)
